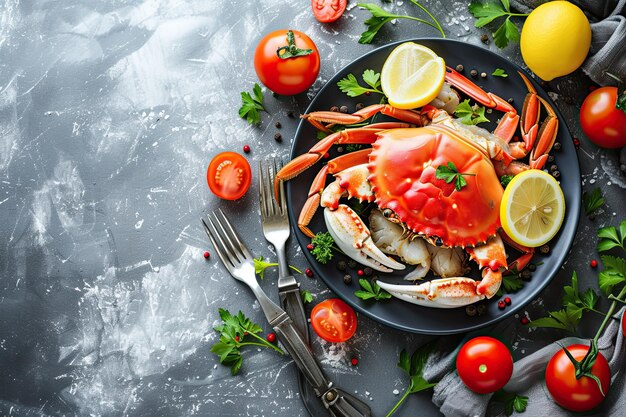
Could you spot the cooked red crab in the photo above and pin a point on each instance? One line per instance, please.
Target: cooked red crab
(399, 174)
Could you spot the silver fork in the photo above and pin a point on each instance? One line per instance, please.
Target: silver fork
(240, 264)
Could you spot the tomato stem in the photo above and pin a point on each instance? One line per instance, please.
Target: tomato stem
(291, 50)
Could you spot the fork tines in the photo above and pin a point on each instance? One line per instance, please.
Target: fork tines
(269, 205)
(225, 240)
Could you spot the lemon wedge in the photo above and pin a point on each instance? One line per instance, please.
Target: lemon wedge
(412, 76)
(532, 208)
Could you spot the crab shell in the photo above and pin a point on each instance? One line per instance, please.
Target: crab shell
(402, 170)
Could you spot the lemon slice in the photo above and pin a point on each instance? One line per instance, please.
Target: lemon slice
(412, 76)
(532, 208)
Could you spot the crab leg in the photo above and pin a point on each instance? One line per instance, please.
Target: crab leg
(538, 140)
(332, 118)
(441, 293)
(364, 135)
(354, 239)
(313, 200)
(521, 262)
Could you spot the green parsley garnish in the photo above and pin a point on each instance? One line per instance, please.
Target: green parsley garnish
(380, 17)
(323, 247)
(505, 180)
(350, 85)
(592, 201)
(371, 291)
(470, 115)
(260, 266)
(511, 283)
(251, 106)
(490, 10)
(307, 297)
(236, 332)
(449, 173)
(512, 402)
(413, 366)
(499, 72)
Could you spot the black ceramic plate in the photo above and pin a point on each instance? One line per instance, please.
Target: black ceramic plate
(397, 313)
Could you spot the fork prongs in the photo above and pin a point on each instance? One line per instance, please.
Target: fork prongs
(269, 205)
(225, 240)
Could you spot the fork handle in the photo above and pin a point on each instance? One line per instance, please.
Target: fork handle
(331, 397)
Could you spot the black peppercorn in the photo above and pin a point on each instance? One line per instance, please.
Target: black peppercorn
(553, 168)
(482, 309)
(473, 73)
(484, 39)
(359, 106)
(340, 149)
(367, 271)
(545, 249)
(459, 68)
(556, 174)
(278, 125)
(557, 146)
(351, 264)
(550, 158)
(341, 265)
(334, 108)
(347, 279)
(343, 109)
(278, 137)
(438, 242)
(471, 310)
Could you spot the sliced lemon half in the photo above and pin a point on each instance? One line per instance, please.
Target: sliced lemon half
(532, 208)
(412, 76)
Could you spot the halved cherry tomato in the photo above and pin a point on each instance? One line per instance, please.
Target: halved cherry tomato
(484, 364)
(576, 394)
(603, 123)
(229, 175)
(328, 10)
(333, 320)
(286, 76)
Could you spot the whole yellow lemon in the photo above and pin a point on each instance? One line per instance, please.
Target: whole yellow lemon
(555, 39)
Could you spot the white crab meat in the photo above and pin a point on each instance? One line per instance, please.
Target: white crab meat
(447, 262)
(354, 239)
(447, 99)
(391, 239)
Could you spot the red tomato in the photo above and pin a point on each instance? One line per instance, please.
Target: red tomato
(333, 320)
(328, 10)
(484, 364)
(603, 123)
(624, 324)
(286, 76)
(576, 394)
(229, 175)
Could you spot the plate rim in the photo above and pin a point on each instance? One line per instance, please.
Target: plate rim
(568, 234)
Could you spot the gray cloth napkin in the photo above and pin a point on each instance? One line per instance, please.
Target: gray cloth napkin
(455, 400)
(608, 41)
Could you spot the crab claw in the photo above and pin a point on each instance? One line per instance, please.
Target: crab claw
(440, 293)
(354, 239)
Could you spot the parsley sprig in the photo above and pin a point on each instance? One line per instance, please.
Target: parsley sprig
(499, 72)
(307, 297)
(236, 332)
(592, 201)
(470, 115)
(371, 291)
(490, 10)
(260, 266)
(511, 283)
(350, 85)
(511, 402)
(413, 366)
(380, 17)
(251, 106)
(450, 173)
(505, 180)
(323, 245)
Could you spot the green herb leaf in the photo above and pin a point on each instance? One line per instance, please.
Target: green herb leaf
(250, 107)
(449, 173)
(323, 247)
(499, 72)
(557, 320)
(307, 297)
(511, 402)
(621, 102)
(592, 201)
(489, 11)
(511, 283)
(485, 12)
(380, 17)
(414, 368)
(610, 237)
(350, 85)
(236, 332)
(260, 266)
(470, 115)
(505, 180)
(506, 33)
(371, 291)
(614, 273)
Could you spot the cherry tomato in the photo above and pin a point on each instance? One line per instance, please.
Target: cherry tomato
(576, 394)
(624, 324)
(484, 364)
(229, 175)
(328, 10)
(603, 123)
(333, 320)
(286, 76)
